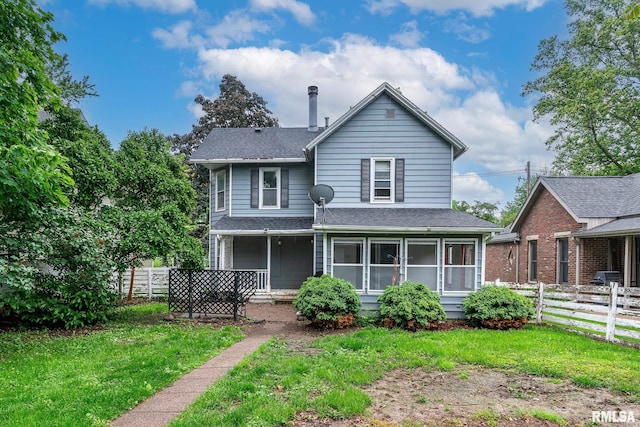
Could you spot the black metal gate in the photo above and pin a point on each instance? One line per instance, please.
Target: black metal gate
(206, 292)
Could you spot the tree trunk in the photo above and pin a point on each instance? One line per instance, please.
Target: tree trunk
(133, 273)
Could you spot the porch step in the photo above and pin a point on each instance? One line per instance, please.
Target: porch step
(274, 296)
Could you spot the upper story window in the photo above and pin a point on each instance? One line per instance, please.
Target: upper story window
(269, 188)
(382, 180)
(220, 190)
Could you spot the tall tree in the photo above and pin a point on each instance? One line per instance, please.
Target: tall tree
(235, 107)
(32, 173)
(590, 89)
(152, 203)
(482, 210)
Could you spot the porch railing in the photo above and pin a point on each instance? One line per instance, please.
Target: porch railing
(263, 280)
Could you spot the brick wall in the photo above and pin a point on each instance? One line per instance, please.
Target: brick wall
(500, 262)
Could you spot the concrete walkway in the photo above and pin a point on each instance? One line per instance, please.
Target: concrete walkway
(167, 404)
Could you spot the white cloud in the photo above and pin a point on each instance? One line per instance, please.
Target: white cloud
(475, 7)
(471, 187)
(352, 68)
(409, 37)
(169, 6)
(178, 37)
(236, 27)
(501, 138)
(465, 31)
(301, 11)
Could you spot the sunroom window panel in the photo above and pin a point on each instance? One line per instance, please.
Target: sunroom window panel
(460, 269)
(347, 263)
(350, 273)
(421, 254)
(425, 275)
(459, 279)
(380, 277)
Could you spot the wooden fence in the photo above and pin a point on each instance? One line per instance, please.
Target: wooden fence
(148, 282)
(610, 312)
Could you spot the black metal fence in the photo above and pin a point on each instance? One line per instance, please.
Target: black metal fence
(224, 292)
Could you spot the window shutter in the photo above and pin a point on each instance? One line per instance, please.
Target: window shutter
(399, 180)
(255, 187)
(284, 188)
(365, 182)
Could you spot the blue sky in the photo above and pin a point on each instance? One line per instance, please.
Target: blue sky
(463, 61)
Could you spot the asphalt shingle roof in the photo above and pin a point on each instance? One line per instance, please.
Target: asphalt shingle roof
(254, 143)
(261, 223)
(402, 218)
(598, 196)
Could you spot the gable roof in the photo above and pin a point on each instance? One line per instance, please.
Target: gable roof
(386, 88)
(585, 197)
(243, 145)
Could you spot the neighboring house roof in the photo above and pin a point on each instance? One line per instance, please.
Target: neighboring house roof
(241, 145)
(505, 236)
(267, 225)
(590, 197)
(386, 89)
(401, 219)
(618, 227)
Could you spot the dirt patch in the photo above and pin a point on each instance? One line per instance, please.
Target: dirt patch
(476, 396)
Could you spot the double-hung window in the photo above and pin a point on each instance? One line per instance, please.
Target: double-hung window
(459, 266)
(221, 183)
(533, 260)
(269, 188)
(348, 261)
(563, 260)
(382, 179)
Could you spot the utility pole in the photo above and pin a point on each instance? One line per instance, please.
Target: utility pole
(528, 169)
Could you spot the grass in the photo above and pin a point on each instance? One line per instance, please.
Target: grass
(269, 387)
(86, 380)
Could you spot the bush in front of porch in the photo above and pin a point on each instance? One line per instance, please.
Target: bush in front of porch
(328, 302)
(410, 306)
(497, 307)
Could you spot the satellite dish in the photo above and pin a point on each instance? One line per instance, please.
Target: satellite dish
(321, 194)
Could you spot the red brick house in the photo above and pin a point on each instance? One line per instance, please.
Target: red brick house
(569, 228)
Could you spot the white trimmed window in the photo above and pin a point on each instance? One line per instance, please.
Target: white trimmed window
(533, 260)
(459, 266)
(384, 264)
(382, 180)
(220, 191)
(422, 262)
(269, 188)
(348, 257)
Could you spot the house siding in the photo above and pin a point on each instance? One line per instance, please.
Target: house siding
(427, 169)
(300, 181)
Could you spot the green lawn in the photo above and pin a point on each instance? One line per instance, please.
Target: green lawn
(89, 379)
(86, 380)
(275, 383)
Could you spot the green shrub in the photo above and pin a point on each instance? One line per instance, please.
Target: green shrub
(497, 307)
(328, 302)
(410, 306)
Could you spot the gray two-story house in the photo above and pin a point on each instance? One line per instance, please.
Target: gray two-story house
(389, 165)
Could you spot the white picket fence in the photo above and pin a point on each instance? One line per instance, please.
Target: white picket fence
(148, 282)
(610, 312)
